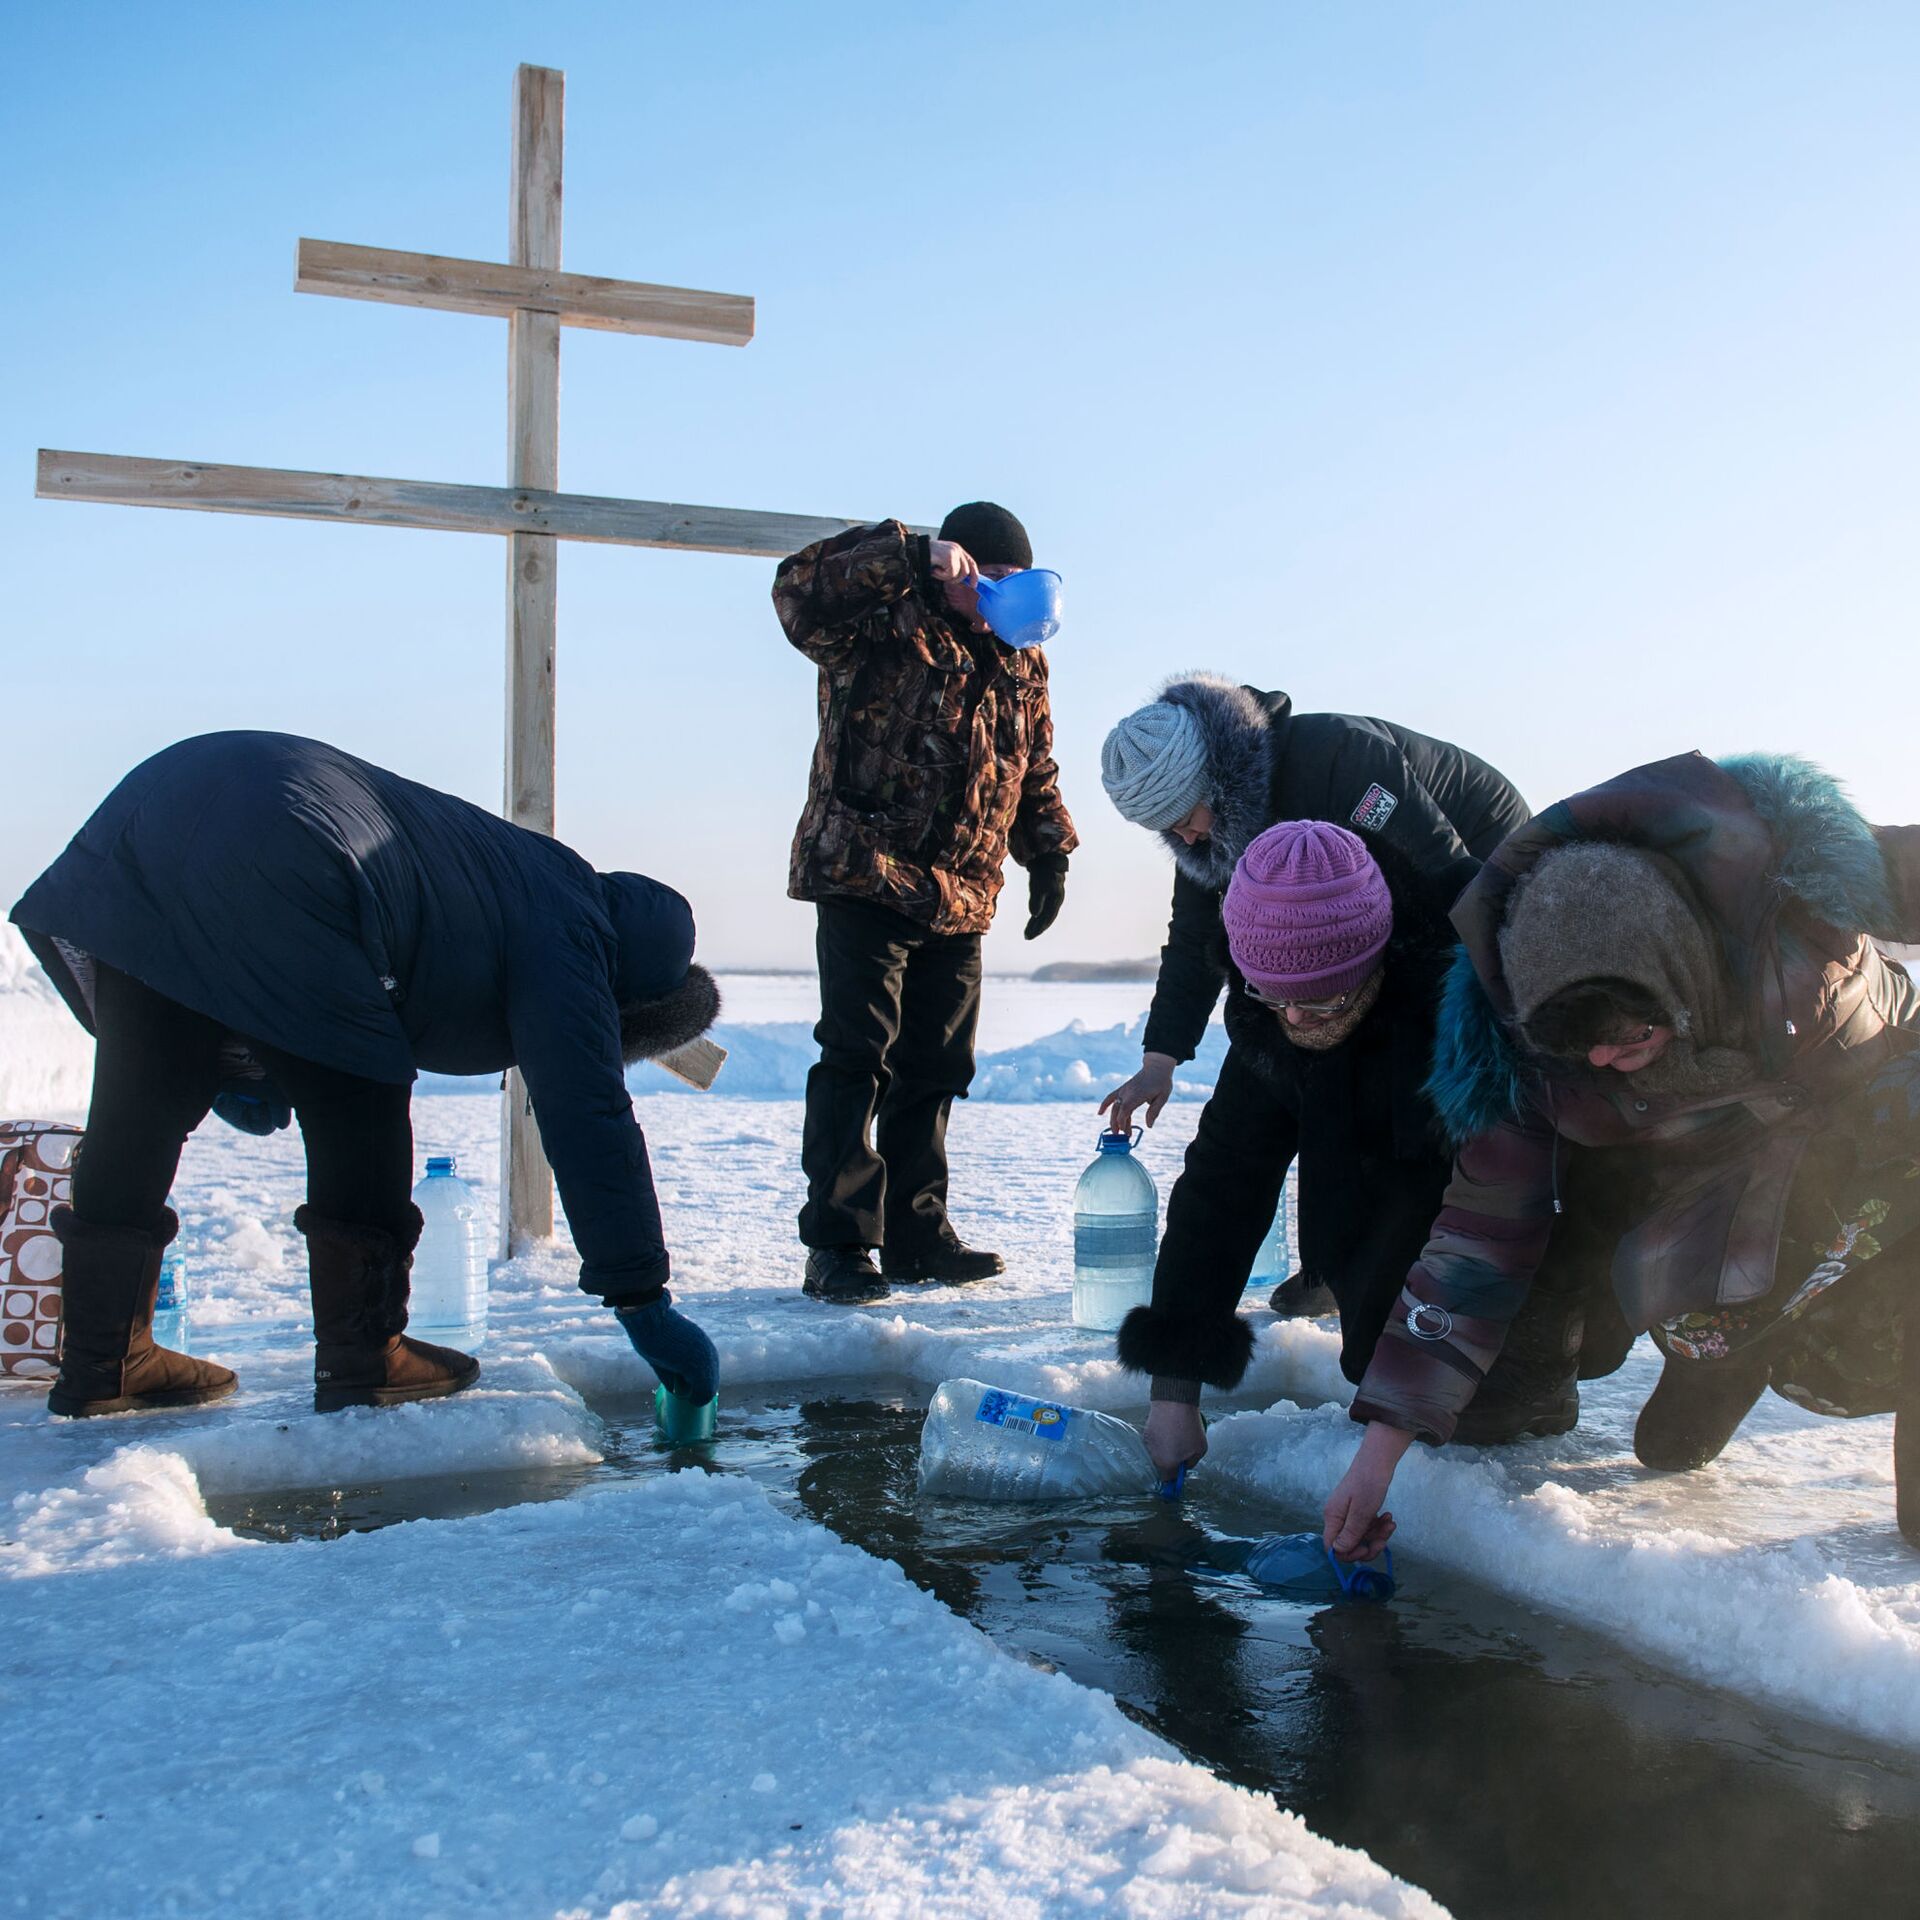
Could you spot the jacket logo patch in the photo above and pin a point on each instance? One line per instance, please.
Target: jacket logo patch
(1375, 808)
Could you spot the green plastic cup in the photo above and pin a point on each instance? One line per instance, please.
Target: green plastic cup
(682, 1422)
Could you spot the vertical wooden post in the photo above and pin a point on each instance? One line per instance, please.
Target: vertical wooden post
(533, 460)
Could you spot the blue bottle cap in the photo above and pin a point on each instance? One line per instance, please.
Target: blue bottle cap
(439, 1163)
(1121, 1142)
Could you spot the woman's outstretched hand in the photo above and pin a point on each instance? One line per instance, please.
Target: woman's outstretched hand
(1356, 1524)
(1151, 1087)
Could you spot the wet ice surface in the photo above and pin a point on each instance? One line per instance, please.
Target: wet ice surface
(1509, 1762)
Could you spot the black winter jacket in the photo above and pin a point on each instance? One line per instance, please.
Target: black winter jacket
(1439, 808)
(1373, 1163)
(337, 911)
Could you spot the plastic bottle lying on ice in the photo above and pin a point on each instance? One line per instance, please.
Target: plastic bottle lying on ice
(983, 1443)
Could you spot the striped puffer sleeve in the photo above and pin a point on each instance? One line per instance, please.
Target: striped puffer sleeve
(1452, 1316)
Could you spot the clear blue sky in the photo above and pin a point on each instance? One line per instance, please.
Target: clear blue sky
(1547, 378)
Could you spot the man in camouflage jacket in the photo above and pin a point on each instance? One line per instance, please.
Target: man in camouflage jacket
(934, 762)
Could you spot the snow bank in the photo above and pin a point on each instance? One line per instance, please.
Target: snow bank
(659, 1697)
(519, 1414)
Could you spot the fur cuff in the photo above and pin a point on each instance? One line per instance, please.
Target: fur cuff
(1217, 1351)
(649, 1028)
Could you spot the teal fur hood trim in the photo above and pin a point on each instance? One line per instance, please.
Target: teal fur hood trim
(1829, 858)
(1825, 855)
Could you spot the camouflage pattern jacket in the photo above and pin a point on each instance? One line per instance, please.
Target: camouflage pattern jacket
(935, 756)
(1793, 882)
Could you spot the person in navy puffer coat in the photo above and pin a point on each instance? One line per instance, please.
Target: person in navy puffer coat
(252, 922)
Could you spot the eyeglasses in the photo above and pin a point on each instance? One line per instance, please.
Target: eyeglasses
(1319, 1009)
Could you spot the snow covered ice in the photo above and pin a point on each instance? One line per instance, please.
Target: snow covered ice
(667, 1694)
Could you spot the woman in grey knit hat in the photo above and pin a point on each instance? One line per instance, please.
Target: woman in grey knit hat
(1210, 765)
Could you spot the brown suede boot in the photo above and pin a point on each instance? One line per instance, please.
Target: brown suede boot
(108, 1362)
(1695, 1410)
(359, 1278)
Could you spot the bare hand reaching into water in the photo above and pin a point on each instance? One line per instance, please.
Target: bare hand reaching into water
(1176, 1436)
(1356, 1526)
(1151, 1087)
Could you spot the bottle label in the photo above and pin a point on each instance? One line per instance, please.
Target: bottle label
(1035, 1417)
(1121, 1242)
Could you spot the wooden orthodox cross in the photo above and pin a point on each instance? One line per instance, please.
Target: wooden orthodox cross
(536, 300)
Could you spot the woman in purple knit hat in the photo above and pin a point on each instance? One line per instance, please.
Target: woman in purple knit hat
(1334, 963)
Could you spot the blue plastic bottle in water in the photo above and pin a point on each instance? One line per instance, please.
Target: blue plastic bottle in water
(449, 1299)
(170, 1302)
(1116, 1220)
(1299, 1565)
(1273, 1263)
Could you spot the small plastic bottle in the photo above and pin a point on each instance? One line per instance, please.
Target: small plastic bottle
(449, 1298)
(984, 1443)
(1116, 1229)
(170, 1326)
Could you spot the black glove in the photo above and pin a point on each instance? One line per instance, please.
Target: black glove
(1046, 891)
(673, 1347)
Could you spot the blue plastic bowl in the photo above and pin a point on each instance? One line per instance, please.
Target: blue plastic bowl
(1023, 609)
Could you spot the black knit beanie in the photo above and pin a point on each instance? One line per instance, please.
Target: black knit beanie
(991, 534)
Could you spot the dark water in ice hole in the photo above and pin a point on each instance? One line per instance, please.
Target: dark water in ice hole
(1512, 1764)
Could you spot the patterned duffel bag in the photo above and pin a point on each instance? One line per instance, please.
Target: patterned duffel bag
(36, 1175)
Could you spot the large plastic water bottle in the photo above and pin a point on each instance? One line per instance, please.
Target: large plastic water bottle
(170, 1302)
(1116, 1221)
(1299, 1565)
(449, 1300)
(983, 1443)
(1273, 1262)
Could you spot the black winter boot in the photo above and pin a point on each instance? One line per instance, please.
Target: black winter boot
(1496, 1415)
(948, 1260)
(359, 1278)
(1532, 1389)
(1302, 1297)
(108, 1362)
(844, 1275)
(1695, 1410)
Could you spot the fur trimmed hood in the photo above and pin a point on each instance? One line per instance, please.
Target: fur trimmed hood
(1237, 727)
(1744, 834)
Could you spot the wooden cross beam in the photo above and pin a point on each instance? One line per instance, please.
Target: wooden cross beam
(536, 299)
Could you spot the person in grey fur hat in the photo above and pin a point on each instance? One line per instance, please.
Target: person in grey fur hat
(1210, 765)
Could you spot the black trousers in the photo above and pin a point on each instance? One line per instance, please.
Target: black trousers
(899, 1007)
(156, 1069)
